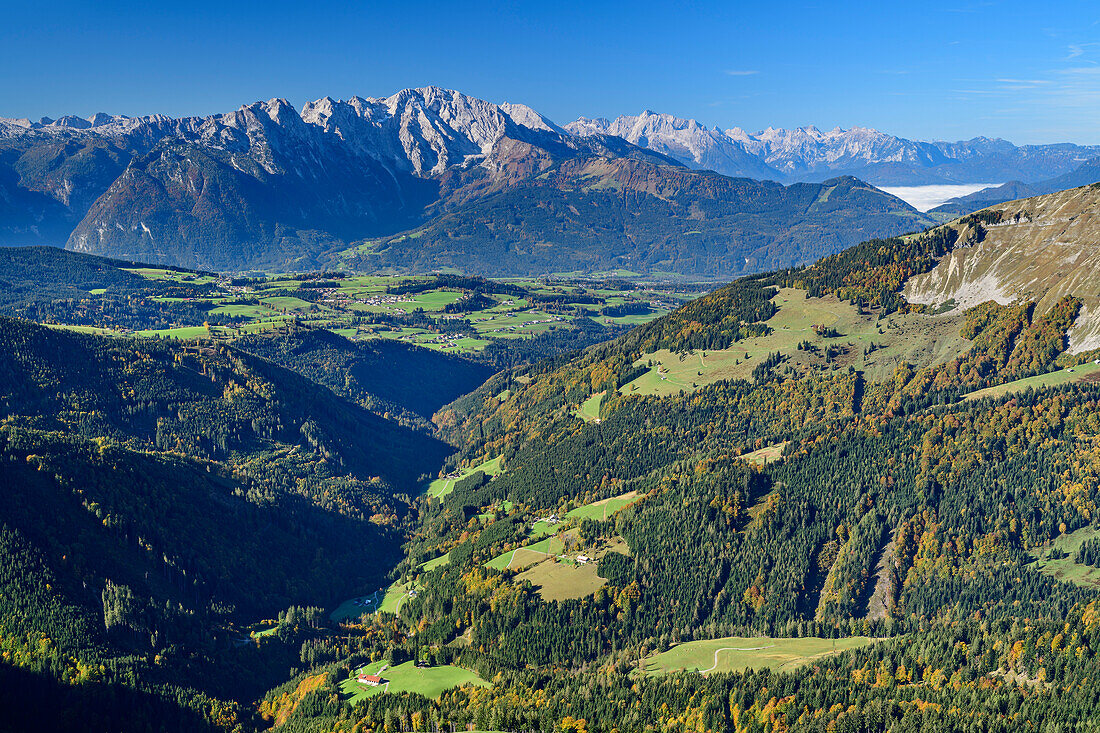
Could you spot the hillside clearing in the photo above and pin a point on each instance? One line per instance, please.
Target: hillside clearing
(1066, 569)
(736, 653)
(430, 682)
(765, 455)
(865, 342)
(440, 487)
(1079, 373)
(600, 510)
(589, 411)
(567, 579)
(387, 599)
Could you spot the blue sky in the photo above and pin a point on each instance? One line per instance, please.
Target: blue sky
(1025, 71)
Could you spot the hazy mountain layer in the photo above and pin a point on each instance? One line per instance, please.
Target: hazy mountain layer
(810, 154)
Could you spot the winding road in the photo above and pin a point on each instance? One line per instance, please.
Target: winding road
(733, 649)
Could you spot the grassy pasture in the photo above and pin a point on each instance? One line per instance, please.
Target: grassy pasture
(1066, 569)
(917, 338)
(1050, 379)
(288, 302)
(79, 329)
(433, 300)
(440, 487)
(388, 600)
(430, 682)
(184, 332)
(528, 555)
(567, 579)
(604, 508)
(560, 581)
(589, 411)
(600, 510)
(550, 545)
(436, 563)
(736, 653)
(765, 455)
(241, 310)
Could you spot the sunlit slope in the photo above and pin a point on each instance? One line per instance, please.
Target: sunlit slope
(1041, 249)
(823, 332)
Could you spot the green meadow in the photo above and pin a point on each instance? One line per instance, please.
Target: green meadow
(737, 653)
(430, 682)
(440, 487)
(1066, 569)
(1068, 375)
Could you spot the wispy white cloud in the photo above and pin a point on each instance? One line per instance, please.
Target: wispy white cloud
(1077, 50)
(741, 72)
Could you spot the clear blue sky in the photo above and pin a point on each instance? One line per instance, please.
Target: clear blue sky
(1025, 71)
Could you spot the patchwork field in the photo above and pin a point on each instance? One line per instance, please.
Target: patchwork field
(560, 575)
(528, 555)
(430, 682)
(388, 307)
(1080, 373)
(864, 341)
(1066, 569)
(737, 653)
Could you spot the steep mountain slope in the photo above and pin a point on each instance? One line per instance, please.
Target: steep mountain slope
(158, 494)
(383, 376)
(1038, 249)
(211, 401)
(591, 214)
(273, 188)
(810, 154)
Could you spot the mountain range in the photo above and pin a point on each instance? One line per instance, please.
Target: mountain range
(810, 154)
(430, 178)
(472, 184)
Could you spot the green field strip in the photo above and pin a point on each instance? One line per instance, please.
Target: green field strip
(738, 653)
(589, 411)
(1069, 375)
(440, 487)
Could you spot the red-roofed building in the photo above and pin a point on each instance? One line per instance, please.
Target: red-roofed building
(370, 680)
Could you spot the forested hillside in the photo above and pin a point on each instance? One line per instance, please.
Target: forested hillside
(900, 504)
(592, 215)
(159, 494)
(383, 376)
(801, 502)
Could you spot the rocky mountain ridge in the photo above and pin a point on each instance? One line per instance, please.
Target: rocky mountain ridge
(271, 187)
(1040, 249)
(810, 154)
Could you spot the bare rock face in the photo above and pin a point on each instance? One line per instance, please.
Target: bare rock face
(1044, 248)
